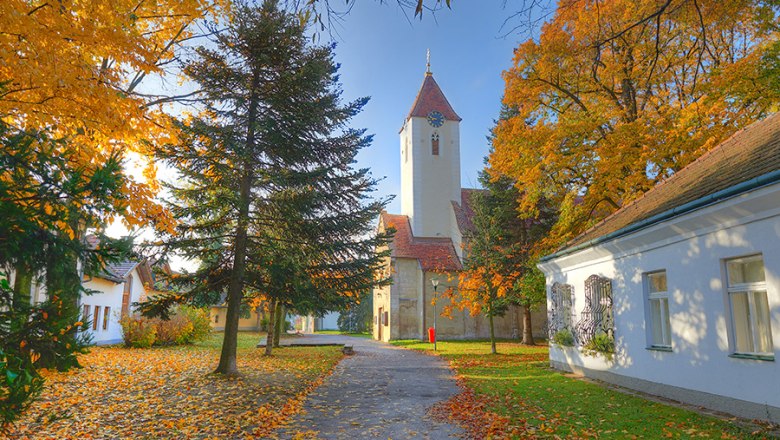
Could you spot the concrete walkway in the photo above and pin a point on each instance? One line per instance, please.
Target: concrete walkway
(381, 392)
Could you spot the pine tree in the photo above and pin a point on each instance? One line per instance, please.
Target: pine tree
(270, 202)
(48, 202)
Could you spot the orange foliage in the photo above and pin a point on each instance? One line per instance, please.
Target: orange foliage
(605, 104)
(73, 68)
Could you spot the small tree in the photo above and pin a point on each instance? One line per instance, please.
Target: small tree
(499, 264)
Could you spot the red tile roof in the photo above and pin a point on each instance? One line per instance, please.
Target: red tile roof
(430, 98)
(464, 213)
(748, 154)
(433, 253)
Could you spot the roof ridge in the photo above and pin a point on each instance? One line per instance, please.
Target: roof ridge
(721, 151)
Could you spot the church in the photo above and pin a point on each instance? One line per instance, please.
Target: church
(435, 222)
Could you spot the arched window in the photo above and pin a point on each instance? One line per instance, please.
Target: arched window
(435, 144)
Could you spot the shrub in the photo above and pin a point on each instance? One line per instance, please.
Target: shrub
(138, 332)
(601, 343)
(564, 337)
(201, 322)
(173, 331)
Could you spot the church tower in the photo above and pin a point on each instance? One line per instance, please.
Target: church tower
(430, 162)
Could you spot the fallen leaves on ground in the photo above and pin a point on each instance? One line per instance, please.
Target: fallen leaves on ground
(515, 394)
(170, 393)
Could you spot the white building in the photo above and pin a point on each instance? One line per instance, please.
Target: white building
(114, 291)
(687, 280)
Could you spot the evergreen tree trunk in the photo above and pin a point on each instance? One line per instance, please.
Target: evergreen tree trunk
(269, 339)
(280, 318)
(22, 286)
(528, 334)
(227, 359)
(492, 333)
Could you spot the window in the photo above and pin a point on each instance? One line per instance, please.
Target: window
(85, 315)
(560, 308)
(96, 318)
(435, 144)
(750, 324)
(385, 316)
(216, 318)
(659, 327)
(126, 296)
(106, 314)
(596, 316)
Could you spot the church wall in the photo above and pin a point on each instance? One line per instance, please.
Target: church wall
(409, 298)
(461, 325)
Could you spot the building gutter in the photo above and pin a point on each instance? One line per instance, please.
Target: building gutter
(742, 187)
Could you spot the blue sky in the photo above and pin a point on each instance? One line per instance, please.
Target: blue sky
(382, 55)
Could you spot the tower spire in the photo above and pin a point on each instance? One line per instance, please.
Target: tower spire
(428, 63)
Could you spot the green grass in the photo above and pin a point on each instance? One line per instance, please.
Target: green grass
(518, 383)
(339, 332)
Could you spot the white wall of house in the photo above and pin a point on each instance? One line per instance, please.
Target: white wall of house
(108, 301)
(693, 250)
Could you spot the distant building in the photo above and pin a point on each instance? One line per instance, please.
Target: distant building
(254, 322)
(687, 280)
(434, 223)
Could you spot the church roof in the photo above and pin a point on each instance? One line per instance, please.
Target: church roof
(433, 253)
(464, 213)
(750, 158)
(430, 98)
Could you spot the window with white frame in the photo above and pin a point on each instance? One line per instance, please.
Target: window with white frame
(659, 327)
(750, 323)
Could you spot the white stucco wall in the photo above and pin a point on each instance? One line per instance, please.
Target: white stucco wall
(691, 249)
(109, 294)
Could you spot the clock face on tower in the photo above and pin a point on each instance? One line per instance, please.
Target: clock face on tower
(436, 119)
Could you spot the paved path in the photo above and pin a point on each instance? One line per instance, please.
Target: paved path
(381, 392)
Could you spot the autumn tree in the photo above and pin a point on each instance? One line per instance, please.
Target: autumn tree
(500, 255)
(269, 199)
(616, 96)
(76, 69)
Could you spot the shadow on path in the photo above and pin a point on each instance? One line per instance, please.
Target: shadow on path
(381, 391)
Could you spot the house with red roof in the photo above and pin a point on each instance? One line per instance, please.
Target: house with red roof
(685, 281)
(434, 223)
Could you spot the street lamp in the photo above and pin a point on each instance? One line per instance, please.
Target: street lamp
(435, 283)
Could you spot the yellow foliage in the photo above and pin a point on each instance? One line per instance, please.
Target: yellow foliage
(605, 104)
(73, 68)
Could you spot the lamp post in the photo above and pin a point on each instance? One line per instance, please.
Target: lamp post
(435, 283)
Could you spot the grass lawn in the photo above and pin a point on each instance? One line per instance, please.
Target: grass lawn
(339, 332)
(519, 396)
(169, 392)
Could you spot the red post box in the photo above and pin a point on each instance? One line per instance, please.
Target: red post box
(431, 334)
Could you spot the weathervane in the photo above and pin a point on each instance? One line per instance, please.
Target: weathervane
(428, 64)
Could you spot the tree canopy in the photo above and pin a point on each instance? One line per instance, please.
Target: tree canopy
(616, 96)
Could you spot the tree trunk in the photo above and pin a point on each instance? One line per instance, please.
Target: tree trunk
(528, 334)
(492, 334)
(280, 312)
(227, 359)
(22, 286)
(271, 328)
